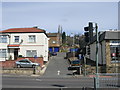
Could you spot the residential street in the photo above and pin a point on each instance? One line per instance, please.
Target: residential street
(56, 64)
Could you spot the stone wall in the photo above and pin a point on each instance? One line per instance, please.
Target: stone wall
(21, 71)
(101, 69)
(108, 54)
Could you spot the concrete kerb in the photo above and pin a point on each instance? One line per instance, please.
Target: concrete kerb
(44, 68)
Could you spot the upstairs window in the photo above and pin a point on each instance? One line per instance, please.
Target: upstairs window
(32, 38)
(3, 39)
(16, 38)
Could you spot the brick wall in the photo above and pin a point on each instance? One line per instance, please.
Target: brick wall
(11, 63)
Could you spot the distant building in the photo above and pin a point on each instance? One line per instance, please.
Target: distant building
(23, 42)
(55, 42)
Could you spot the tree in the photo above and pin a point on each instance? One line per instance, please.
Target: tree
(63, 37)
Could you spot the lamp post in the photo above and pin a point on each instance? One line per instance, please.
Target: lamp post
(73, 44)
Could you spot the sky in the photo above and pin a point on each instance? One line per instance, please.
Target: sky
(72, 16)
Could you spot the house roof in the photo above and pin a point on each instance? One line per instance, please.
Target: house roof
(52, 34)
(107, 35)
(23, 30)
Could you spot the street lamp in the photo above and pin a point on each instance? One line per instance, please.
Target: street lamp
(73, 44)
(73, 38)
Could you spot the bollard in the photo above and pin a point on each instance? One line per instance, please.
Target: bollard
(34, 70)
(94, 83)
(58, 72)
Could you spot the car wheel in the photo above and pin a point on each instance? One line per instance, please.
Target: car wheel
(18, 66)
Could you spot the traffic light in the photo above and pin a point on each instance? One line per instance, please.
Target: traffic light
(89, 32)
(86, 34)
(86, 28)
(88, 50)
(84, 51)
(117, 52)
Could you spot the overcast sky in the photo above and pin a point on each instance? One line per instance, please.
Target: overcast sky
(72, 16)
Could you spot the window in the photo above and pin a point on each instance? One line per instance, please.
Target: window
(115, 53)
(2, 53)
(16, 38)
(53, 41)
(32, 38)
(31, 53)
(3, 39)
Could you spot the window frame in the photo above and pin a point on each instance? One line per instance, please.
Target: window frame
(3, 53)
(32, 38)
(31, 53)
(16, 40)
(3, 39)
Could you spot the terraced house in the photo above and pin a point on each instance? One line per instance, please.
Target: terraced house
(23, 42)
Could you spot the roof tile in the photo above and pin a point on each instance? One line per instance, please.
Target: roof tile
(20, 30)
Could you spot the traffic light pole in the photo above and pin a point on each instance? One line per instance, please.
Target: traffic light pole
(88, 38)
(84, 65)
(97, 45)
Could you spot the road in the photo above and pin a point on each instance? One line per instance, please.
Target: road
(38, 82)
(57, 63)
(35, 82)
(51, 79)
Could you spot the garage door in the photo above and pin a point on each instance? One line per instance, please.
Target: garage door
(50, 49)
(56, 49)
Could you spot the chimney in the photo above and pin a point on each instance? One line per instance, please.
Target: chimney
(35, 27)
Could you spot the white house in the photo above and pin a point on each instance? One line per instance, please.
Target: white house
(23, 42)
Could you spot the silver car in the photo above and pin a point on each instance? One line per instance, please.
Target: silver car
(26, 63)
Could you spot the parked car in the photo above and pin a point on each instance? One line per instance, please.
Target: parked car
(26, 63)
(54, 53)
(75, 63)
